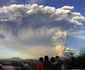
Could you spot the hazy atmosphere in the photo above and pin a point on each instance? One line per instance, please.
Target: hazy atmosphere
(34, 28)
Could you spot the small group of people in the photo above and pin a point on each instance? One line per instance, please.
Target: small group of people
(54, 63)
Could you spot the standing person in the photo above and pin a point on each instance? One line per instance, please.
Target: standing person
(46, 63)
(53, 63)
(40, 64)
(60, 63)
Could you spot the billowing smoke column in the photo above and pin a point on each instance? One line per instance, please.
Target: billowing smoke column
(30, 28)
(60, 38)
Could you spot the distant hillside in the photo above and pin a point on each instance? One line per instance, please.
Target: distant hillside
(15, 58)
(30, 60)
(11, 59)
(18, 59)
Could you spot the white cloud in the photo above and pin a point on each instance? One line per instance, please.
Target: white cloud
(68, 7)
(25, 28)
(70, 50)
(79, 36)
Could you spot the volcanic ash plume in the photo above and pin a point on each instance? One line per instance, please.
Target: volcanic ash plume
(28, 28)
(61, 42)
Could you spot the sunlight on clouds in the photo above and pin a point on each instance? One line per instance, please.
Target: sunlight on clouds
(60, 50)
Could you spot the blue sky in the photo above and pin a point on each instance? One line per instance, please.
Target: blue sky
(79, 5)
(8, 53)
(31, 34)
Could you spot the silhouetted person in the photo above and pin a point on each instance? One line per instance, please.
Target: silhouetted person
(46, 63)
(40, 64)
(60, 63)
(53, 63)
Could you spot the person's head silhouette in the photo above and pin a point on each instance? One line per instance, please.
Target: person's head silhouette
(52, 59)
(46, 58)
(57, 57)
(41, 59)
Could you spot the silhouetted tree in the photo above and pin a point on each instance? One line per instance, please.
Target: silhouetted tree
(78, 61)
